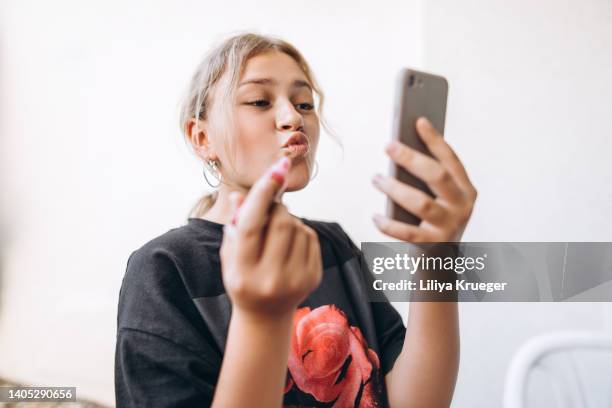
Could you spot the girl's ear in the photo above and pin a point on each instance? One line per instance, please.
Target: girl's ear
(198, 137)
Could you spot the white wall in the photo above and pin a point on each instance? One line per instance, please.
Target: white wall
(529, 112)
(92, 163)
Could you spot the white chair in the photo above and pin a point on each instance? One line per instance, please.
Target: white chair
(563, 369)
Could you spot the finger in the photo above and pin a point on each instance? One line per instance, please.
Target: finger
(236, 199)
(412, 199)
(252, 216)
(297, 252)
(280, 234)
(440, 149)
(239, 199)
(311, 236)
(314, 261)
(400, 230)
(429, 170)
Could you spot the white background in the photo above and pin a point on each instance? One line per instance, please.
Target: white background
(93, 164)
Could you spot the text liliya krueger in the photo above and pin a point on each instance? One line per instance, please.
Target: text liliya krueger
(431, 264)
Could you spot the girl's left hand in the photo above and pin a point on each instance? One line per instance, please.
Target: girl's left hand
(445, 216)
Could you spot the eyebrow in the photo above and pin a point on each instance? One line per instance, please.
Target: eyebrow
(298, 83)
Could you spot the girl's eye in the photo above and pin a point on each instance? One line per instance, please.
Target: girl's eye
(260, 103)
(306, 106)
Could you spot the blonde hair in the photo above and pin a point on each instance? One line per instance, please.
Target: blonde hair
(220, 70)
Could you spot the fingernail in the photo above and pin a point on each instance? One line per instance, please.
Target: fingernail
(278, 177)
(425, 122)
(234, 218)
(391, 148)
(279, 171)
(377, 179)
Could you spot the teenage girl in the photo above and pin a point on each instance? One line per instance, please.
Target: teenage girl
(249, 305)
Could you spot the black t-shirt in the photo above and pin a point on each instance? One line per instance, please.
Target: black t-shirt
(174, 316)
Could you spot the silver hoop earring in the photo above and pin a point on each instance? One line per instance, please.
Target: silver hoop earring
(212, 164)
(316, 170)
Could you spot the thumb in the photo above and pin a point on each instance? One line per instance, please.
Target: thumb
(236, 198)
(261, 196)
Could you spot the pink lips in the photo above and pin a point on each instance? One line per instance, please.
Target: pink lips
(296, 150)
(296, 145)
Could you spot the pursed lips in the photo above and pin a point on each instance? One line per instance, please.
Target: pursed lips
(296, 145)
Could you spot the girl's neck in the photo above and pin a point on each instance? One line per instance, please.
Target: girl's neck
(221, 210)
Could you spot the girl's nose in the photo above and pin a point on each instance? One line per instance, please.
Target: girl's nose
(288, 118)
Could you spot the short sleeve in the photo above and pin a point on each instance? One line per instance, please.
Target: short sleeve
(390, 329)
(164, 354)
(152, 371)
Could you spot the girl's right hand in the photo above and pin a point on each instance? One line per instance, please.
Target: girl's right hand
(270, 260)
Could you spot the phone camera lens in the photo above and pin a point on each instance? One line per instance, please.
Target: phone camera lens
(411, 81)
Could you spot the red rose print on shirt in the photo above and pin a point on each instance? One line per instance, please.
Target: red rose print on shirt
(324, 348)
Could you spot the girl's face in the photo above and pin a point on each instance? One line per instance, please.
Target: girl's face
(274, 109)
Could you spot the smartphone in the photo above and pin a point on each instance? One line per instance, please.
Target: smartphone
(416, 94)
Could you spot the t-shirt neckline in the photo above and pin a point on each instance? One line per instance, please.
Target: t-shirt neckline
(214, 228)
(211, 227)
